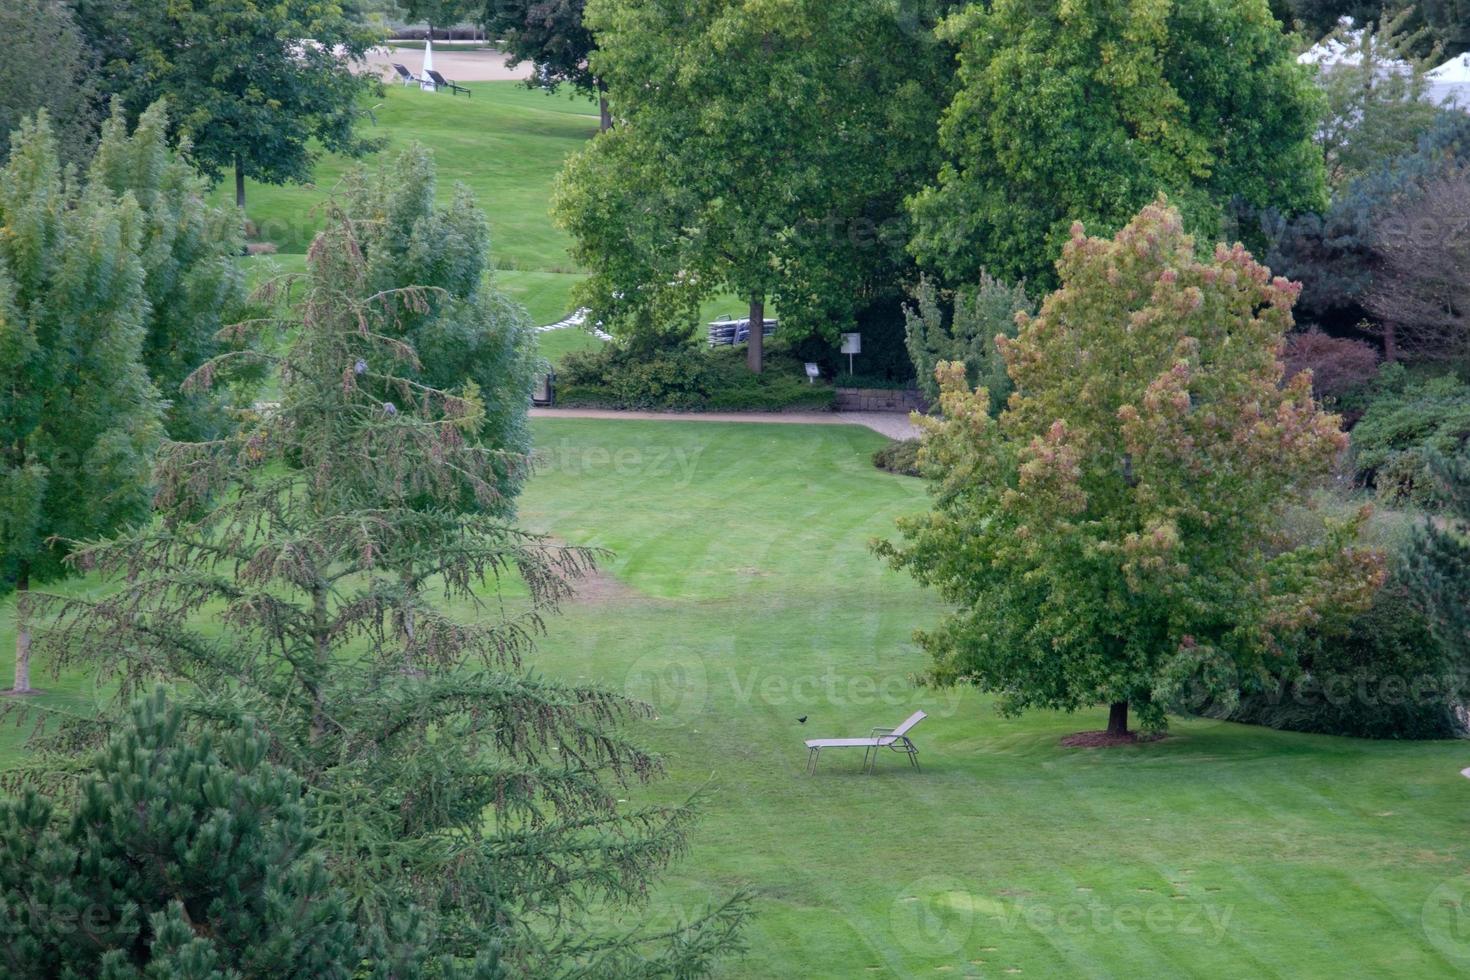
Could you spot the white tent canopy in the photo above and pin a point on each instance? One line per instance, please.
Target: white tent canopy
(1450, 82)
(1345, 50)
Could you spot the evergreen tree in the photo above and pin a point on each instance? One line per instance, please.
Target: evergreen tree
(1377, 97)
(193, 281)
(1438, 572)
(968, 333)
(441, 778)
(48, 67)
(467, 330)
(79, 419)
(183, 856)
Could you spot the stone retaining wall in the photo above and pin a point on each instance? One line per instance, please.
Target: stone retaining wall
(902, 400)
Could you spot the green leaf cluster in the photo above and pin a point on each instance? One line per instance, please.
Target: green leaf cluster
(1085, 110)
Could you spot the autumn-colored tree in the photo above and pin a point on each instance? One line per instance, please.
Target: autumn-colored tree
(1112, 537)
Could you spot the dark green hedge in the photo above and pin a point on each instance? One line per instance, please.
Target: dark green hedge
(685, 380)
(1388, 678)
(901, 456)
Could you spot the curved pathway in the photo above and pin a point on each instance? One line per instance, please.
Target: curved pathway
(891, 424)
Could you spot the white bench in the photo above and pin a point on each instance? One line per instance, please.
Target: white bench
(895, 739)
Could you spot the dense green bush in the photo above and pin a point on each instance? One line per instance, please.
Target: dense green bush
(1386, 677)
(1408, 418)
(901, 456)
(685, 379)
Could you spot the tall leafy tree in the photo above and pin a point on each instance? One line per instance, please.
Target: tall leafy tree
(1113, 537)
(260, 89)
(1086, 110)
(183, 856)
(442, 778)
(466, 330)
(48, 67)
(79, 418)
(762, 149)
(552, 36)
(192, 278)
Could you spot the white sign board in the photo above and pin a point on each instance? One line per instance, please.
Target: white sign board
(852, 343)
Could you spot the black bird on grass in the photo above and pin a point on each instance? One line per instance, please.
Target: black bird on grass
(801, 720)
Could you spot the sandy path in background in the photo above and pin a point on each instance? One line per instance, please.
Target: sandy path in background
(457, 66)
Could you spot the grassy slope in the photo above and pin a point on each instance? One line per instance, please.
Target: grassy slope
(745, 599)
(741, 597)
(506, 143)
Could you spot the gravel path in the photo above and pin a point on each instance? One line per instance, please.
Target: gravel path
(890, 424)
(482, 65)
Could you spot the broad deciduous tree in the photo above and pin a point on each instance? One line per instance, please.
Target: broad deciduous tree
(79, 418)
(1111, 538)
(1085, 110)
(763, 149)
(260, 89)
(551, 35)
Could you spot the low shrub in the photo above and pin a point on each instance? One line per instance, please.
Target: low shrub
(1386, 678)
(1340, 367)
(899, 457)
(1407, 419)
(685, 379)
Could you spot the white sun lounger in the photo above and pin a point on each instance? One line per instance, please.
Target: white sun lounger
(896, 739)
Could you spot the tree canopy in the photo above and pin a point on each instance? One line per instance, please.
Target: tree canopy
(49, 66)
(1113, 536)
(553, 37)
(465, 331)
(260, 89)
(182, 856)
(190, 254)
(1084, 111)
(763, 149)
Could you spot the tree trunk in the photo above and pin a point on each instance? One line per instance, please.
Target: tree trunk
(755, 350)
(22, 634)
(603, 104)
(239, 183)
(1118, 718)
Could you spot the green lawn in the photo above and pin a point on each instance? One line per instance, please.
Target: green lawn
(507, 143)
(742, 597)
